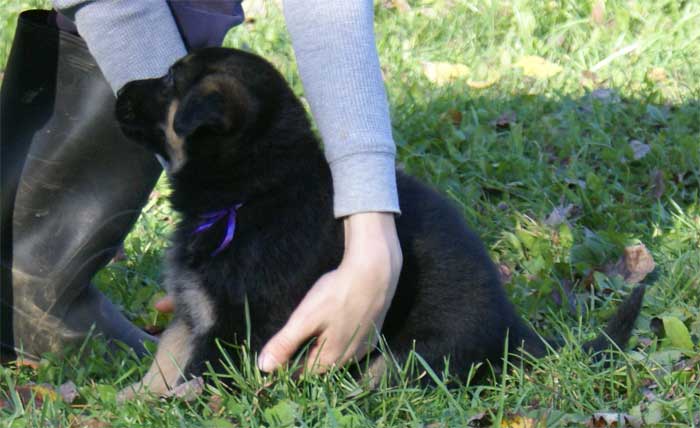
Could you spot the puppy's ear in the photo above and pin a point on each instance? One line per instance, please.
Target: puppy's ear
(214, 104)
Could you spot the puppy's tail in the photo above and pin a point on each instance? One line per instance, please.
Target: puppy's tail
(619, 327)
(616, 334)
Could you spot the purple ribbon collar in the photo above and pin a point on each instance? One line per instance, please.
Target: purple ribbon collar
(211, 218)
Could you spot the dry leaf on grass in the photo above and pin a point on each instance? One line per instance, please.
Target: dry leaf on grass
(658, 183)
(25, 363)
(455, 117)
(504, 120)
(517, 421)
(442, 73)
(505, 273)
(589, 78)
(657, 74)
(639, 149)
(538, 67)
(68, 392)
(83, 422)
(598, 12)
(605, 95)
(611, 419)
(5, 404)
(558, 215)
(634, 265)
(483, 84)
(215, 403)
(481, 419)
(36, 394)
(400, 5)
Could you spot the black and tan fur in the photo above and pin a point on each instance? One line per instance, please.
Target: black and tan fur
(232, 131)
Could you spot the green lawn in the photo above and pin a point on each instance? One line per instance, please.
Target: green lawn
(606, 128)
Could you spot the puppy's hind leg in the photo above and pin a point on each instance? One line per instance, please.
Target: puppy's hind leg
(174, 353)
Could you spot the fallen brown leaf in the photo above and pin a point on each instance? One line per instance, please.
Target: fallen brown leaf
(598, 12)
(610, 419)
(4, 404)
(687, 364)
(634, 265)
(442, 73)
(589, 78)
(657, 74)
(215, 403)
(26, 363)
(658, 183)
(504, 120)
(517, 421)
(483, 84)
(83, 422)
(558, 215)
(480, 419)
(36, 394)
(505, 273)
(605, 95)
(538, 67)
(639, 149)
(400, 5)
(68, 392)
(455, 117)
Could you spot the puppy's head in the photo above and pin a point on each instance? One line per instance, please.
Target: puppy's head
(212, 117)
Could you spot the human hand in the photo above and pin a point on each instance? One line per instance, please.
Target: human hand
(165, 305)
(346, 307)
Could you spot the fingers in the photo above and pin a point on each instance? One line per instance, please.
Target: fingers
(286, 342)
(334, 349)
(165, 305)
(330, 349)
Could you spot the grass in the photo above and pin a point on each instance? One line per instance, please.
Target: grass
(508, 148)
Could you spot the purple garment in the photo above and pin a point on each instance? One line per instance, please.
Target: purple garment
(202, 23)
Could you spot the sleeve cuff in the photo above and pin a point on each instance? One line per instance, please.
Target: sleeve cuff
(364, 182)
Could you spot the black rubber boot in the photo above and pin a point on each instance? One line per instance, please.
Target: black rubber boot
(72, 188)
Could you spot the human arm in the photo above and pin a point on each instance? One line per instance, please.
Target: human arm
(339, 66)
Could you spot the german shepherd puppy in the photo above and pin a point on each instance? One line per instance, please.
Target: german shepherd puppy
(255, 196)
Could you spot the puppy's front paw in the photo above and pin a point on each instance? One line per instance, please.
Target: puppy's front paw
(186, 391)
(131, 392)
(148, 388)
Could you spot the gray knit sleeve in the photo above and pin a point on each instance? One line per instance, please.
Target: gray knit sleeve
(337, 58)
(130, 39)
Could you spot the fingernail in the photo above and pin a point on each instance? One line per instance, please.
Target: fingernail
(266, 362)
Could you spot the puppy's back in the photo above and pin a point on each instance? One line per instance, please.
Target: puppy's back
(449, 298)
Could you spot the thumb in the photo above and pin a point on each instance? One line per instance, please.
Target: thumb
(285, 343)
